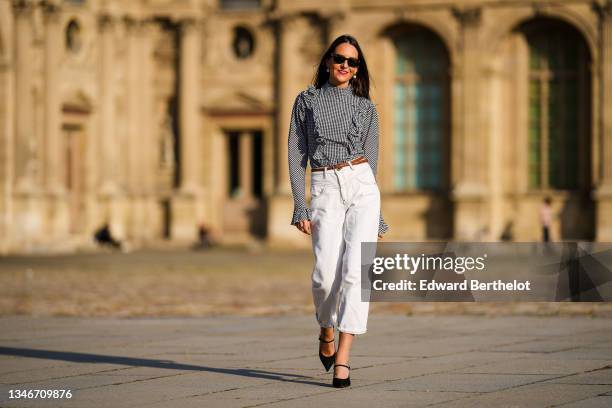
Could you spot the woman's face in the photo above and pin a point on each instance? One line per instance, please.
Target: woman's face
(340, 74)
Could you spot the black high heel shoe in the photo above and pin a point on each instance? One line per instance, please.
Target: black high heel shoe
(342, 382)
(327, 361)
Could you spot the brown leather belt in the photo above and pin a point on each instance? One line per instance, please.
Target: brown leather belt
(360, 159)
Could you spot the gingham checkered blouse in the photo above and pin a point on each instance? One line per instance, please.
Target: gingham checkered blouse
(329, 125)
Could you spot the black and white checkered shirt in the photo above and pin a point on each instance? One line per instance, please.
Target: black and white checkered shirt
(329, 125)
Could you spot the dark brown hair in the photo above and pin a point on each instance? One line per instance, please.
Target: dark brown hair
(361, 84)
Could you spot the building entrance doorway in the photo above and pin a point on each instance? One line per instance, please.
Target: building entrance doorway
(244, 207)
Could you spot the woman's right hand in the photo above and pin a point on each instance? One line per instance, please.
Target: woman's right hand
(303, 226)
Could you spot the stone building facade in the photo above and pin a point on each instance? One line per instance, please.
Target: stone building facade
(158, 115)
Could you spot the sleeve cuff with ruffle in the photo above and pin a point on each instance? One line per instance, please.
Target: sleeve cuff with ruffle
(300, 214)
(382, 226)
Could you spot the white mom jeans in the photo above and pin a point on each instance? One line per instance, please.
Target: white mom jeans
(345, 206)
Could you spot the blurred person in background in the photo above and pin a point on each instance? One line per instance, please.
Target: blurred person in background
(104, 237)
(546, 219)
(204, 238)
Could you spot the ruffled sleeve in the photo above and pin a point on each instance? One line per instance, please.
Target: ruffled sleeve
(358, 121)
(298, 158)
(370, 148)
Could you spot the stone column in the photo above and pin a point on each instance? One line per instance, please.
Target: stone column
(109, 142)
(189, 81)
(185, 203)
(133, 144)
(603, 193)
(148, 113)
(28, 210)
(133, 104)
(469, 186)
(25, 141)
(280, 205)
(53, 44)
(494, 112)
(149, 133)
(287, 91)
(7, 157)
(141, 137)
(54, 148)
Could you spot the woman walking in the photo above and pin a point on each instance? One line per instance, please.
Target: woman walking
(334, 125)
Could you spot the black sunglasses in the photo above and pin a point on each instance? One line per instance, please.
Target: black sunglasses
(339, 59)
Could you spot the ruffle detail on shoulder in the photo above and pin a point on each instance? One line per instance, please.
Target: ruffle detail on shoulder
(355, 137)
(310, 94)
(311, 90)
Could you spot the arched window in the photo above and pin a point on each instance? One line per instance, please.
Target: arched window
(244, 43)
(421, 111)
(558, 106)
(73, 36)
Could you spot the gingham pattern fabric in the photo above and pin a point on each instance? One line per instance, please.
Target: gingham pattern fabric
(329, 125)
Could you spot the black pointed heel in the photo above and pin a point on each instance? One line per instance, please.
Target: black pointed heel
(327, 361)
(342, 382)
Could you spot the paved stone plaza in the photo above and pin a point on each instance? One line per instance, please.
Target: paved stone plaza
(240, 361)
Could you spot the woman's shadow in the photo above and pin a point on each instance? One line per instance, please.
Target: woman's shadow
(142, 362)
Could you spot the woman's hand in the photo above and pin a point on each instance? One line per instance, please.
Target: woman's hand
(303, 226)
(380, 236)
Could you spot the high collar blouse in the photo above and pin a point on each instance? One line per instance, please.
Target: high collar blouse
(329, 125)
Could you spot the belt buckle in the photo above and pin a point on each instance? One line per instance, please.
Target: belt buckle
(344, 164)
